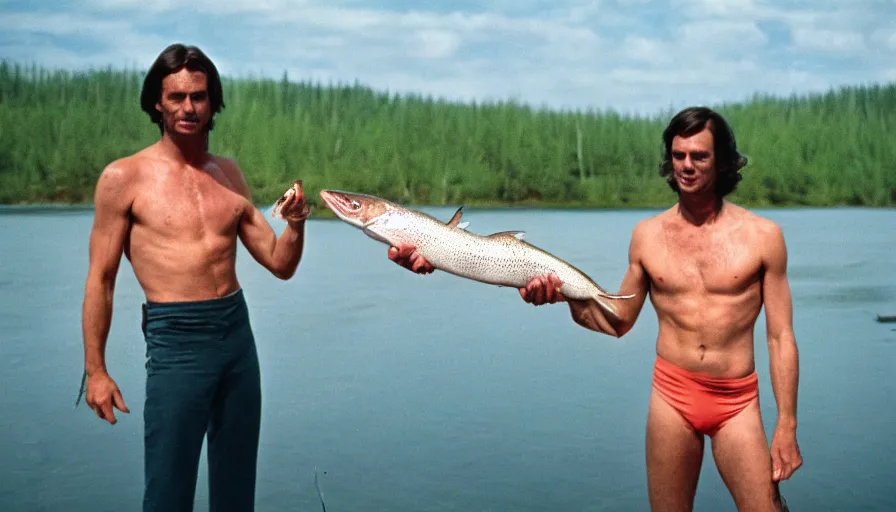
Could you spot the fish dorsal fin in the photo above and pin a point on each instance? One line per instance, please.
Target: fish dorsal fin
(518, 235)
(455, 219)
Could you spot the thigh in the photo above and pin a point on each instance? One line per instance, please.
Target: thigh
(236, 410)
(233, 436)
(175, 418)
(674, 456)
(742, 456)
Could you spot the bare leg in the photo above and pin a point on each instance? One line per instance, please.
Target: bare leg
(674, 455)
(742, 456)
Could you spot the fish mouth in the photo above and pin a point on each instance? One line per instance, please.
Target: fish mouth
(344, 206)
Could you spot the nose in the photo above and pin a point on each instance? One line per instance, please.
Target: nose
(188, 104)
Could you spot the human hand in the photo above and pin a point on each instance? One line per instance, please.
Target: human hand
(408, 257)
(543, 290)
(291, 206)
(102, 394)
(785, 453)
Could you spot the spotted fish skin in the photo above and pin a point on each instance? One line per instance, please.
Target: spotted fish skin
(502, 259)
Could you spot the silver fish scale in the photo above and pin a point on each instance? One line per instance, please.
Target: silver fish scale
(500, 260)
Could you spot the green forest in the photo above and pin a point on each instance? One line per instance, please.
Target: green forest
(59, 129)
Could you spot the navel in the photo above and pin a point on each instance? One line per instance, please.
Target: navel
(702, 350)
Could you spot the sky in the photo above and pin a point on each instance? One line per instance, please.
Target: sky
(631, 56)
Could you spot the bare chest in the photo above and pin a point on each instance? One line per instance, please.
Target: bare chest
(721, 262)
(189, 203)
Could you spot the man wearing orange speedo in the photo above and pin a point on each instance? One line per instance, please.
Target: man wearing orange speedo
(710, 267)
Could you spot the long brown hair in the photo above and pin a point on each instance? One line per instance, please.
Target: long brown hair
(728, 160)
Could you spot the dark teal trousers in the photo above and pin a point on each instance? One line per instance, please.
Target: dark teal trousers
(202, 379)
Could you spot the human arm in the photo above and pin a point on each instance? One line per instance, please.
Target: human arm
(783, 353)
(281, 256)
(614, 317)
(112, 205)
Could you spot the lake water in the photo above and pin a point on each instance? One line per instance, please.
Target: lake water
(431, 393)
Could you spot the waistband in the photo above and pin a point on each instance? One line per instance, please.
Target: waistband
(218, 313)
(667, 370)
(214, 304)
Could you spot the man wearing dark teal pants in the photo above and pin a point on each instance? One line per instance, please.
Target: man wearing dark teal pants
(176, 211)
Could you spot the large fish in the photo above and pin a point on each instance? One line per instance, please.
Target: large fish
(502, 259)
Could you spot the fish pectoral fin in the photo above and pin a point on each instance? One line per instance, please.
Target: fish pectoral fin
(455, 219)
(504, 234)
(463, 225)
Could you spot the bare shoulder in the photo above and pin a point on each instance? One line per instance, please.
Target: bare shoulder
(764, 228)
(233, 172)
(656, 222)
(129, 169)
(118, 180)
(647, 230)
(651, 226)
(766, 233)
(226, 162)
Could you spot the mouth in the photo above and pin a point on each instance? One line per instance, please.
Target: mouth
(687, 179)
(188, 121)
(331, 199)
(343, 206)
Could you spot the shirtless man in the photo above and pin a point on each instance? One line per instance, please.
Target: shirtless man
(175, 210)
(710, 267)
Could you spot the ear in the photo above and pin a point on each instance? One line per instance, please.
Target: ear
(159, 106)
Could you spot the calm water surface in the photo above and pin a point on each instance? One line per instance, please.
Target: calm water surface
(431, 393)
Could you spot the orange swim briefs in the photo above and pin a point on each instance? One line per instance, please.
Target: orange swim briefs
(705, 402)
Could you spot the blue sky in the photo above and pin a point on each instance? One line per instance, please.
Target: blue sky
(633, 56)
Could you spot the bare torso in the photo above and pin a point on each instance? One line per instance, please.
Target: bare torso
(184, 222)
(706, 288)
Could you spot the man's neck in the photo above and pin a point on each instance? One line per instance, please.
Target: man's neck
(190, 149)
(699, 209)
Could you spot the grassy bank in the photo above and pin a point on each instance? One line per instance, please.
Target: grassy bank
(59, 129)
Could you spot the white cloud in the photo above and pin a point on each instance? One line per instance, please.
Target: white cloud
(884, 40)
(646, 50)
(436, 44)
(61, 24)
(703, 9)
(840, 41)
(206, 6)
(715, 36)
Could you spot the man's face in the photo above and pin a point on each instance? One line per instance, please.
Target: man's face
(184, 102)
(694, 163)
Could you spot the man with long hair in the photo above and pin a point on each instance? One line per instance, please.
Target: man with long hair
(176, 211)
(710, 267)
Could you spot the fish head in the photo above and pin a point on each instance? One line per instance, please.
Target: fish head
(378, 218)
(355, 209)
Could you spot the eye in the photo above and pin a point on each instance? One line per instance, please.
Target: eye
(356, 205)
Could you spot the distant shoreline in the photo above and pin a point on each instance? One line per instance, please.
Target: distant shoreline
(824, 149)
(326, 214)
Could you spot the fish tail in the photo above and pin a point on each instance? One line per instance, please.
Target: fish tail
(614, 296)
(601, 297)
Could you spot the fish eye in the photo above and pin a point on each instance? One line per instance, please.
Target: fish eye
(356, 205)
